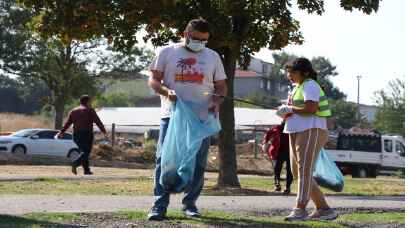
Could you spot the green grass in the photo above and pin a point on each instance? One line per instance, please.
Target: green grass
(357, 187)
(374, 218)
(49, 186)
(253, 185)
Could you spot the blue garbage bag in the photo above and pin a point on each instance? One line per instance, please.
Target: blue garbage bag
(183, 140)
(327, 174)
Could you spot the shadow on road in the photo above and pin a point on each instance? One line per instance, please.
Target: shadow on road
(7, 221)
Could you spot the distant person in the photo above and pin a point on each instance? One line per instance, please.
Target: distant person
(279, 153)
(82, 118)
(306, 124)
(186, 70)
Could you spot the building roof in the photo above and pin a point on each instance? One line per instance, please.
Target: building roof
(246, 74)
(139, 120)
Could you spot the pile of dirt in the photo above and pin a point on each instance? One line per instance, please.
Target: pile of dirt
(246, 160)
(108, 153)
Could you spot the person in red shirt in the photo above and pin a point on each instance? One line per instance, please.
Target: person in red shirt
(82, 118)
(279, 152)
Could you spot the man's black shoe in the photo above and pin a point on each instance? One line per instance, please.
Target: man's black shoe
(191, 211)
(88, 173)
(286, 192)
(74, 169)
(156, 214)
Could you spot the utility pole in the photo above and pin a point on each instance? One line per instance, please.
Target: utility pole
(358, 98)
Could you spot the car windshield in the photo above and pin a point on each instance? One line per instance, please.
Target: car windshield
(24, 133)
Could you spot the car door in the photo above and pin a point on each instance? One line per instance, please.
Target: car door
(44, 142)
(65, 144)
(400, 154)
(388, 159)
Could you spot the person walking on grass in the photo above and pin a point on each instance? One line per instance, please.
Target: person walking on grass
(82, 118)
(186, 70)
(306, 125)
(279, 153)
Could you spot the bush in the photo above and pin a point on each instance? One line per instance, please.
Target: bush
(149, 150)
(116, 99)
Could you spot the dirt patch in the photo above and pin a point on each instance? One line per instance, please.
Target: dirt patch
(113, 220)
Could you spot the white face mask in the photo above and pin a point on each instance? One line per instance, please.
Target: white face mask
(195, 45)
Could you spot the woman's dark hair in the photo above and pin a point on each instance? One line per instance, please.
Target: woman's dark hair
(84, 100)
(304, 66)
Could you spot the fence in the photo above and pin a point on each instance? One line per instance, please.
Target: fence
(244, 134)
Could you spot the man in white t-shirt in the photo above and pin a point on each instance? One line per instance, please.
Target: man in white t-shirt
(189, 71)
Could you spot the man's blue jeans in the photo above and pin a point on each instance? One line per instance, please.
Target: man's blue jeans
(162, 198)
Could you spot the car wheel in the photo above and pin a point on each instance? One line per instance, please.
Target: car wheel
(73, 154)
(19, 150)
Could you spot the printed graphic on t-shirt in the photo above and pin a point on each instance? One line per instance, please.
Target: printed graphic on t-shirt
(188, 71)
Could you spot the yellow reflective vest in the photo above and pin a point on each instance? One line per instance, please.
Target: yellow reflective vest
(323, 105)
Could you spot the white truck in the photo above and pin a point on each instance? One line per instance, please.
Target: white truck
(368, 155)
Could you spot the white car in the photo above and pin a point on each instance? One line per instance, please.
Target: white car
(39, 141)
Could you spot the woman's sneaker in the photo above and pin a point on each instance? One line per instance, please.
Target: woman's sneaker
(297, 214)
(323, 214)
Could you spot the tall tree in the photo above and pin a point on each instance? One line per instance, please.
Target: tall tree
(31, 58)
(239, 28)
(326, 70)
(344, 114)
(277, 74)
(390, 116)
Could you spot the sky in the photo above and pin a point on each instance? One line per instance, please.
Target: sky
(372, 46)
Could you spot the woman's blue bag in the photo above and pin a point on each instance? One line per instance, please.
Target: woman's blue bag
(327, 174)
(183, 140)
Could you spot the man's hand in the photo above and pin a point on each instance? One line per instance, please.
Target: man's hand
(265, 148)
(59, 135)
(214, 107)
(216, 104)
(106, 136)
(171, 94)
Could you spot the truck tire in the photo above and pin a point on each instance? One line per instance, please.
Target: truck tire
(359, 172)
(372, 172)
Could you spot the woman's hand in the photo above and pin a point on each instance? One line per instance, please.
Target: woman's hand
(284, 110)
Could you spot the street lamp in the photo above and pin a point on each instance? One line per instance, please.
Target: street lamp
(358, 98)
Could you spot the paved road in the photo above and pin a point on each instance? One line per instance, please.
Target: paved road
(22, 204)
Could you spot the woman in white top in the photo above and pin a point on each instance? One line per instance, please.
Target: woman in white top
(306, 125)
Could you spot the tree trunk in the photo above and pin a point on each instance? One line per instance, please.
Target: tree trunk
(227, 155)
(59, 106)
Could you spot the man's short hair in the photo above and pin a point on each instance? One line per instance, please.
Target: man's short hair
(199, 24)
(84, 99)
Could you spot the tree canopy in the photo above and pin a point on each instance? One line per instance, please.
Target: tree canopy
(239, 28)
(390, 116)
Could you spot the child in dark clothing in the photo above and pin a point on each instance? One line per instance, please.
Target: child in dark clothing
(279, 152)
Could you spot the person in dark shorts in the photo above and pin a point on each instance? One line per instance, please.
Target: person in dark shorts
(82, 118)
(279, 153)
